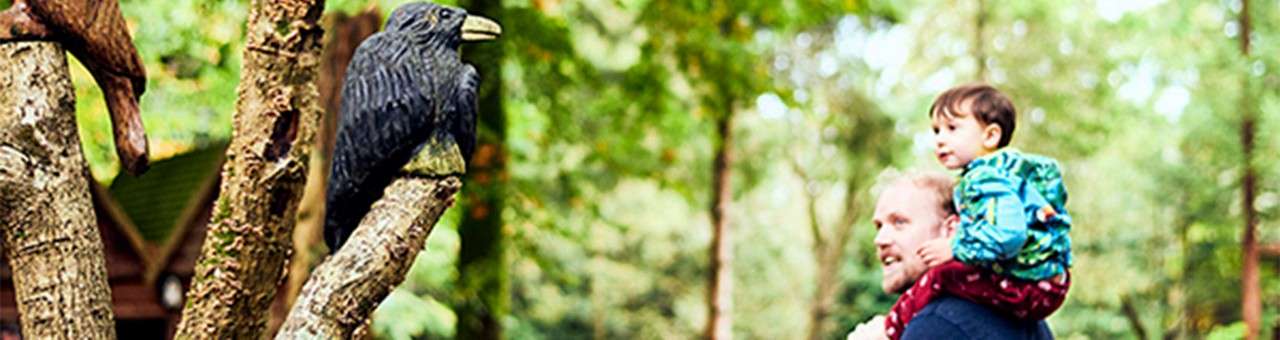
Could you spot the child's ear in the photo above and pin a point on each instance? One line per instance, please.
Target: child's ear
(991, 136)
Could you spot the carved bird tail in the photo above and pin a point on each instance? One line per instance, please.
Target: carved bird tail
(126, 123)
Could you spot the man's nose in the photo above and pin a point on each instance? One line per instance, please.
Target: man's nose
(882, 239)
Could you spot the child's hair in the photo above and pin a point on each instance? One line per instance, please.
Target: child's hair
(986, 104)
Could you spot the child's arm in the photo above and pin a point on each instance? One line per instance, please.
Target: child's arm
(993, 224)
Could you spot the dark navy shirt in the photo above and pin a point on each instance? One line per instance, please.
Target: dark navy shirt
(954, 318)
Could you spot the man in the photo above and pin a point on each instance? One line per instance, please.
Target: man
(912, 209)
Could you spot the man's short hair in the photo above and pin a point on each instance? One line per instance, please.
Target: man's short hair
(986, 104)
(937, 183)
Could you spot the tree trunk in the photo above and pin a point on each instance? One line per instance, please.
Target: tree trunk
(50, 232)
(1131, 314)
(828, 251)
(344, 290)
(483, 285)
(720, 283)
(250, 233)
(826, 284)
(979, 53)
(1180, 291)
(1251, 289)
(346, 34)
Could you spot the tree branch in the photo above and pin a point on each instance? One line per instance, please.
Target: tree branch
(815, 227)
(250, 231)
(1270, 250)
(344, 290)
(1131, 313)
(46, 216)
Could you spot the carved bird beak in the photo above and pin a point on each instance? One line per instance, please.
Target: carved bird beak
(478, 28)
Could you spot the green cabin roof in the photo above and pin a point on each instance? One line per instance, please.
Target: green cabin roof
(155, 200)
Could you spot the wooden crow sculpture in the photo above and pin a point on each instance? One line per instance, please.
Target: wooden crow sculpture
(95, 33)
(409, 102)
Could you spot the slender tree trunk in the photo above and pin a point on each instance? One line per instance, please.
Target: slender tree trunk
(483, 286)
(820, 307)
(720, 283)
(243, 257)
(979, 51)
(346, 33)
(50, 233)
(828, 250)
(344, 290)
(1251, 288)
(823, 297)
(1131, 314)
(1183, 319)
(826, 284)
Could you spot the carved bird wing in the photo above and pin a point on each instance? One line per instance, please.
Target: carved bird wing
(386, 114)
(464, 104)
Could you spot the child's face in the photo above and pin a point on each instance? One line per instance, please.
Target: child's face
(961, 138)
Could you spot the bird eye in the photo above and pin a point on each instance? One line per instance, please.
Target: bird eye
(445, 15)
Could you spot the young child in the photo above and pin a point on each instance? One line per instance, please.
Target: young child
(1011, 244)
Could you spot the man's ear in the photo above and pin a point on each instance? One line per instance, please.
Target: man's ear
(991, 136)
(949, 225)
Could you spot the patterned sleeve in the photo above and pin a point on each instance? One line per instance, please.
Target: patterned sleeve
(993, 225)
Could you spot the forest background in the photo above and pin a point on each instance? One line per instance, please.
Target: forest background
(614, 111)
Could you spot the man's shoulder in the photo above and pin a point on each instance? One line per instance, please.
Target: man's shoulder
(955, 318)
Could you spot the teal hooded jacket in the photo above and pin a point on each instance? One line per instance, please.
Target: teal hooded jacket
(1013, 216)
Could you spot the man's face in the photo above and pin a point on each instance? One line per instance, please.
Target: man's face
(906, 216)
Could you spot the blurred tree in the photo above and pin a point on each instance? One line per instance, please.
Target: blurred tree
(711, 44)
(865, 135)
(1251, 291)
(979, 46)
(483, 288)
(836, 141)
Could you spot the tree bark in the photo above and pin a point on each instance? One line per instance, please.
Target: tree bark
(250, 233)
(344, 290)
(483, 290)
(720, 283)
(1251, 288)
(50, 232)
(346, 33)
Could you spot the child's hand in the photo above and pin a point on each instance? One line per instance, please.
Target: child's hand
(935, 252)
